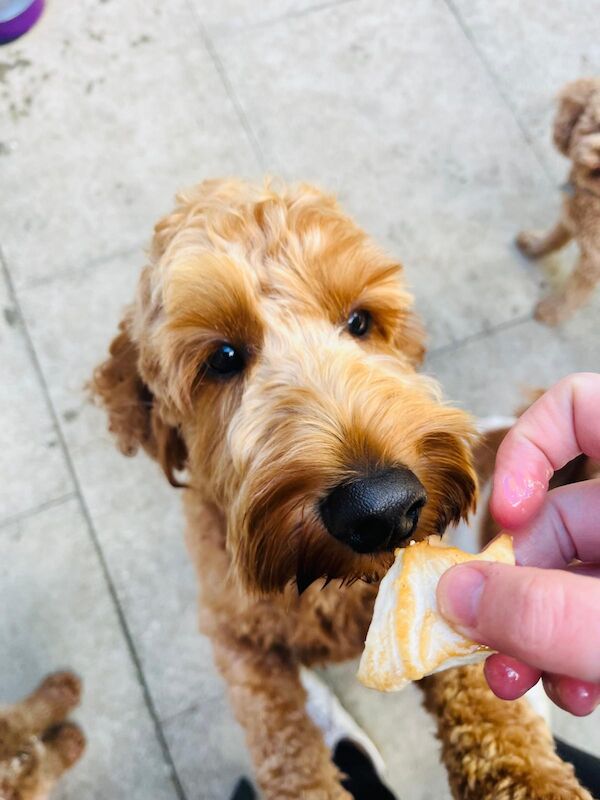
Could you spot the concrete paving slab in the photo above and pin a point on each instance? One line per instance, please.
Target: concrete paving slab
(32, 465)
(533, 49)
(102, 130)
(57, 613)
(493, 373)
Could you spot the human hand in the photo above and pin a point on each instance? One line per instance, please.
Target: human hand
(546, 621)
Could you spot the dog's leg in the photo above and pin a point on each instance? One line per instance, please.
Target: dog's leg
(249, 644)
(36, 745)
(288, 751)
(48, 705)
(535, 244)
(493, 749)
(579, 285)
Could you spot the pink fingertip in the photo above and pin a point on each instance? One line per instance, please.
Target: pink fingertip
(518, 489)
(508, 678)
(516, 498)
(578, 697)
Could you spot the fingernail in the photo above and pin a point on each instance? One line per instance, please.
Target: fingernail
(577, 697)
(518, 488)
(459, 594)
(509, 678)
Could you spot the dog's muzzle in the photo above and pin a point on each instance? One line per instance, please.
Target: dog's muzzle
(374, 513)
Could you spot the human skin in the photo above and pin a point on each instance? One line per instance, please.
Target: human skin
(543, 616)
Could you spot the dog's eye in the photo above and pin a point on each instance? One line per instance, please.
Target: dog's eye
(226, 361)
(359, 323)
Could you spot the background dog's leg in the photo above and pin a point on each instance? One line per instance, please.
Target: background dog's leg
(289, 754)
(48, 705)
(535, 244)
(579, 285)
(493, 749)
(36, 745)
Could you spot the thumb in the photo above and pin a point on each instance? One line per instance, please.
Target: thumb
(549, 619)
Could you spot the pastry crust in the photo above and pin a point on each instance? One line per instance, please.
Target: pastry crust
(408, 638)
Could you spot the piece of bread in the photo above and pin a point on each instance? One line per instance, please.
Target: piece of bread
(408, 638)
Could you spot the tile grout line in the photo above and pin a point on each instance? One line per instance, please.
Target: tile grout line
(468, 34)
(228, 86)
(87, 267)
(31, 512)
(292, 15)
(94, 537)
(482, 334)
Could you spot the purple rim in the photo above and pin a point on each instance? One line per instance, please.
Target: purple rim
(13, 28)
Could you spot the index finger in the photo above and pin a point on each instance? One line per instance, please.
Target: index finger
(561, 425)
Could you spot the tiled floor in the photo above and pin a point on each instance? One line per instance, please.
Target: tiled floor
(431, 121)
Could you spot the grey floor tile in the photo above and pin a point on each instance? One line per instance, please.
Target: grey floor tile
(492, 374)
(225, 17)
(139, 523)
(72, 321)
(428, 158)
(32, 466)
(208, 748)
(60, 615)
(102, 130)
(533, 49)
(136, 514)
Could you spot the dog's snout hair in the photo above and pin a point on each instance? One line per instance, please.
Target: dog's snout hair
(274, 276)
(320, 410)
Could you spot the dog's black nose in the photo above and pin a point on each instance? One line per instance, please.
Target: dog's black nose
(376, 512)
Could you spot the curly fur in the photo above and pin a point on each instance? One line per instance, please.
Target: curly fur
(495, 750)
(36, 744)
(576, 135)
(276, 273)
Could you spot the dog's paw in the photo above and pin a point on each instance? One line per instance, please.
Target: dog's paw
(552, 310)
(61, 690)
(67, 741)
(530, 243)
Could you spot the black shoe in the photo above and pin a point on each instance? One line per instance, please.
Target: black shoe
(243, 791)
(361, 779)
(587, 766)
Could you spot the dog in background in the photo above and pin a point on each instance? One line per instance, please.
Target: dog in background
(577, 136)
(271, 353)
(36, 744)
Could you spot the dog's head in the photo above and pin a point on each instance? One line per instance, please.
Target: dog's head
(272, 352)
(577, 127)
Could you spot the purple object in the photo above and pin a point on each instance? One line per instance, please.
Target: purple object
(13, 28)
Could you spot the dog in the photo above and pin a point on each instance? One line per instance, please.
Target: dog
(36, 744)
(576, 136)
(269, 364)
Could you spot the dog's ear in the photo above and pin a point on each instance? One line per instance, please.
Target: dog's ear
(133, 411)
(571, 104)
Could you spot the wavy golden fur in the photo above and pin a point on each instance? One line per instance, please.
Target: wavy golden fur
(576, 134)
(275, 273)
(37, 745)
